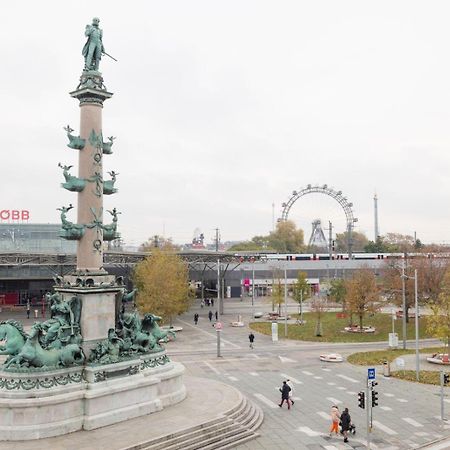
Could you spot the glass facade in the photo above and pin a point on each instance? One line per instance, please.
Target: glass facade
(34, 237)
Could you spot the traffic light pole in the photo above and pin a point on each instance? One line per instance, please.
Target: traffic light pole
(442, 398)
(368, 414)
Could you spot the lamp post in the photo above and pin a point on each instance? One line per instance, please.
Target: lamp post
(416, 316)
(403, 276)
(253, 287)
(285, 303)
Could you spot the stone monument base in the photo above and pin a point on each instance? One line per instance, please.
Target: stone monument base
(41, 404)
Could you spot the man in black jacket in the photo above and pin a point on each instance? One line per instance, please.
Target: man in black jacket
(345, 423)
(285, 389)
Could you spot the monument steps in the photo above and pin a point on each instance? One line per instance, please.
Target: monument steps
(236, 426)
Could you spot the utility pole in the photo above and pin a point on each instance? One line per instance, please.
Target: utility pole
(285, 303)
(217, 239)
(404, 304)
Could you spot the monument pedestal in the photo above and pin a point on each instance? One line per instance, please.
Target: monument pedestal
(99, 294)
(40, 404)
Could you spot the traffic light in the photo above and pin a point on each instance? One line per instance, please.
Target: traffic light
(446, 378)
(361, 400)
(374, 398)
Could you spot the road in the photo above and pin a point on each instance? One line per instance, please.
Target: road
(407, 416)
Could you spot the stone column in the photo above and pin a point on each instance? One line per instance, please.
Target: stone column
(91, 93)
(97, 290)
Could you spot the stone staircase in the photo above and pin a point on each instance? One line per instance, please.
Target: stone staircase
(234, 427)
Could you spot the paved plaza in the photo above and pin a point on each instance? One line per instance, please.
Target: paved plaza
(407, 416)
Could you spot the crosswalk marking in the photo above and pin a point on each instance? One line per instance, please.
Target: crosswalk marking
(306, 372)
(387, 394)
(330, 383)
(288, 377)
(351, 393)
(333, 400)
(296, 399)
(232, 378)
(384, 428)
(254, 374)
(265, 400)
(402, 400)
(421, 433)
(345, 377)
(309, 432)
(412, 422)
(341, 388)
(283, 359)
(330, 447)
(447, 400)
(441, 446)
(318, 378)
(217, 372)
(385, 408)
(326, 370)
(324, 415)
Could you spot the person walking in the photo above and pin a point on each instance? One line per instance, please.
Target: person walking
(202, 304)
(210, 315)
(285, 389)
(345, 423)
(251, 338)
(335, 418)
(216, 315)
(212, 302)
(196, 318)
(28, 309)
(291, 392)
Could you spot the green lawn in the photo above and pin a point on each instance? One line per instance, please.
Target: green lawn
(425, 376)
(379, 356)
(332, 329)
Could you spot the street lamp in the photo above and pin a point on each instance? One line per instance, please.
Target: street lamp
(416, 316)
(285, 303)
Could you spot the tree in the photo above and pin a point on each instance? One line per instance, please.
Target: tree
(160, 242)
(362, 294)
(438, 323)
(379, 246)
(430, 273)
(286, 238)
(163, 285)
(359, 241)
(318, 306)
(301, 290)
(277, 291)
(338, 291)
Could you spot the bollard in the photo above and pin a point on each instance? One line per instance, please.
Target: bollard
(36, 313)
(386, 369)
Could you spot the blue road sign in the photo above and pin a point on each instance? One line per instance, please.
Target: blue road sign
(371, 373)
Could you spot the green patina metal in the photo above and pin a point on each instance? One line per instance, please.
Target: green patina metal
(93, 49)
(109, 350)
(75, 142)
(97, 178)
(70, 231)
(14, 336)
(110, 230)
(72, 183)
(108, 185)
(151, 363)
(107, 146)
(53, 343)
(96, 140)
(47, 382)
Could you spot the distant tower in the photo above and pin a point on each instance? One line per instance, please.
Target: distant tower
(317, 238)
(375, 210)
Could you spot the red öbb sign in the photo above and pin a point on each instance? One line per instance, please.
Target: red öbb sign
(14, 214)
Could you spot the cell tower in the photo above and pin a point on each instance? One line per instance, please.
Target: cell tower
(317, 238)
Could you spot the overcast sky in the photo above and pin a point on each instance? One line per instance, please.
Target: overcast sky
(222, 108)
